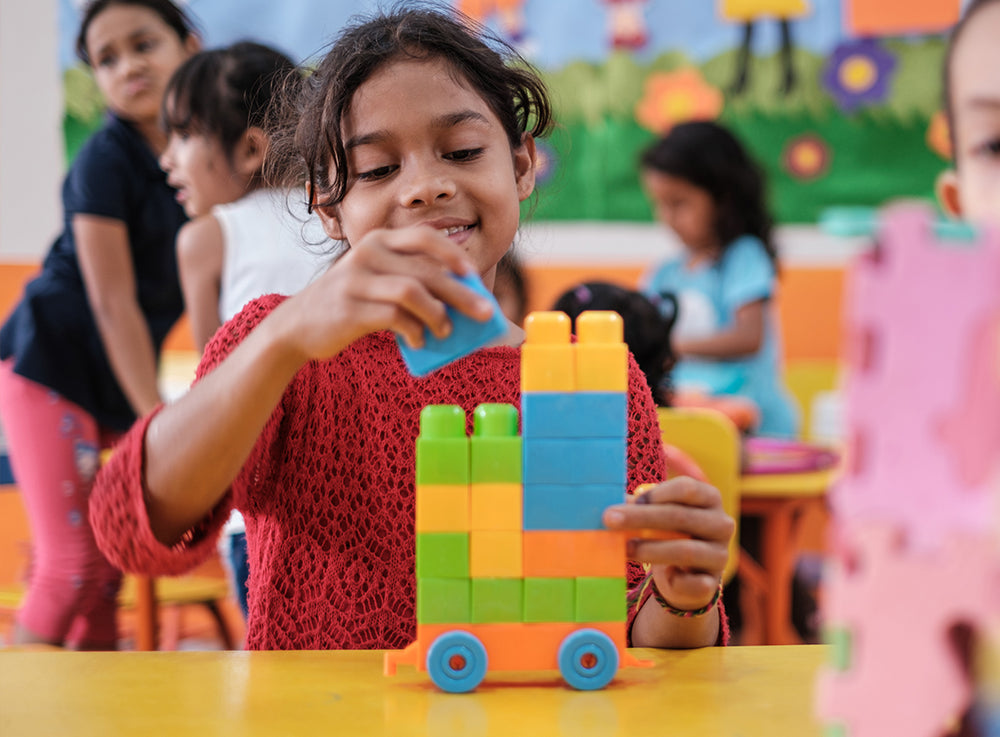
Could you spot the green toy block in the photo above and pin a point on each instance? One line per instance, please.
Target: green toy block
(442, 555)
(840, 653)
(835, 730)
(549, 599)
(600, 599)
(442, 452)
(497, 600)
(495, 447)
(443, 600)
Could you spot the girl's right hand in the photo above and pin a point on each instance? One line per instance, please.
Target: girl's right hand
(399, 280)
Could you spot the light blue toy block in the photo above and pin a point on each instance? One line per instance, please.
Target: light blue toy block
(584, 461)
(574, 414)
(495, 446)
(568, 506)
(442, 450)
(444, 601)
(467, 335)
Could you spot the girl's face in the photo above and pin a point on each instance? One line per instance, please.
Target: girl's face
(133, 53)
(686, 209)
(424, 148)
(198, 168)
(975, 96)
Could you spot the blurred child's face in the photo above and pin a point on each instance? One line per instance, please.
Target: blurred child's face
(200, 171)
(975, 100)
(424, 148)
(134, 53)
(687, 210)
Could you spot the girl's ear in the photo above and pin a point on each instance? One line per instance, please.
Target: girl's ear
(327, 217)
(192, 44)
(250, 150)
(949, 193)
(525, 159)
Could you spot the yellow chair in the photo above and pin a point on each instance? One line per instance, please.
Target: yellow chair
(712, 441)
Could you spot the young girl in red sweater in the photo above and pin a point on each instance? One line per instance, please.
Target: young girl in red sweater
(417, 143)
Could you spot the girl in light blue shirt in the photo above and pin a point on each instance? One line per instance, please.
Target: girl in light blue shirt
(705, 187)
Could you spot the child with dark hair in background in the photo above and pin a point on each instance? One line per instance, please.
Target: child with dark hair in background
(705, 187)
(416, 138)
(972, 101)
(245, 239)
(80, 349)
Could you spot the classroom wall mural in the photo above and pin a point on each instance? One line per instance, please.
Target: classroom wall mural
(840, 100)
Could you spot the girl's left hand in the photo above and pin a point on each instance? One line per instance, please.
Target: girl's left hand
(685, 537)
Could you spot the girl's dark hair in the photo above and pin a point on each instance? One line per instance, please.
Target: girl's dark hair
(307, 144)
(711, 158)
(223, 92)
(171, 14)
(957, 32)
(647, 324)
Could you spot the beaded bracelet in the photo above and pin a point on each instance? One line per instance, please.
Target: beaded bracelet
(684, 612)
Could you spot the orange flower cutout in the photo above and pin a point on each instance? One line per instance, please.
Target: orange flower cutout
(675, 97)
(938, 136)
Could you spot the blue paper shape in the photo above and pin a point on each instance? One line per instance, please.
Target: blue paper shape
(466, 335)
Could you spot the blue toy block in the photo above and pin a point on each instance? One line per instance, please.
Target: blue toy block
(568, 507)
(574, 415)
(586, 461)
(466, 335)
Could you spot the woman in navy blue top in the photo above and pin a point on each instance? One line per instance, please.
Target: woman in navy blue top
(79, 352)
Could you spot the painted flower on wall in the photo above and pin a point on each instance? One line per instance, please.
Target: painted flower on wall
(858, 73)
(806, 157)
(938, 136)
(675, 97)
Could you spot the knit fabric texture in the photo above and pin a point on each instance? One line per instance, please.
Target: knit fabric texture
(328, 490)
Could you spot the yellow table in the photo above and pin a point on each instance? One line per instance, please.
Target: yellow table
(744, 691)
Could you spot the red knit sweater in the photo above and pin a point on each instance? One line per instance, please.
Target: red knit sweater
(327, 492)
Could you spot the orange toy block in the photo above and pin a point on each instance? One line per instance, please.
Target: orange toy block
(547, 357)
(495, 507)
(442, 508)
(572, 553)
(495, 554)
(601, 353)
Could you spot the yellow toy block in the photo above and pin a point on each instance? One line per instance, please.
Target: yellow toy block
(601, 353)
(547, 357)
(495, 554)
(442, 508)
(495, 507)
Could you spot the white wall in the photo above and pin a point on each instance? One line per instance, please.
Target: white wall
(31, 147)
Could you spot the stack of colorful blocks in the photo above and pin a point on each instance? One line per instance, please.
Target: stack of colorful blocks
(511, 551)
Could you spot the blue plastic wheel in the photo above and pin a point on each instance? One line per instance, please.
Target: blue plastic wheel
(457, 661)
(588, 659)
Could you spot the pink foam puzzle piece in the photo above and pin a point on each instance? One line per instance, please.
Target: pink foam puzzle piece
(922, 388)
(899, 604)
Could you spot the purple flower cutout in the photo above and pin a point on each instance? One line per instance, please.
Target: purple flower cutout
(858, 72)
